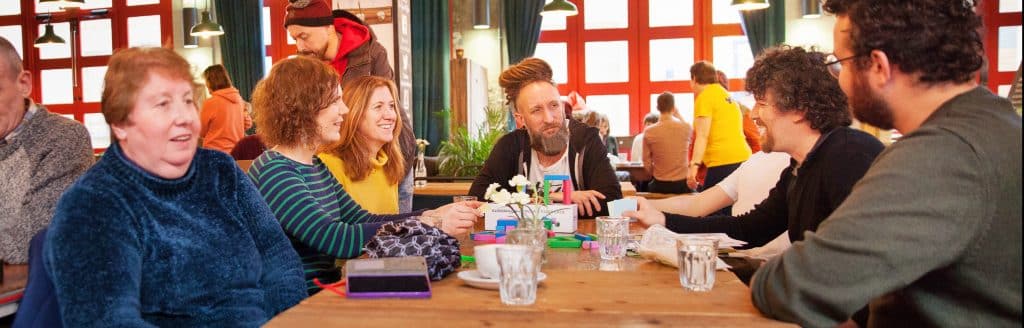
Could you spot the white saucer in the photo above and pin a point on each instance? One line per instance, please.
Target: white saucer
(473, 278)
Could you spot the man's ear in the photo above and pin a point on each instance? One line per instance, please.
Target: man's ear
(880, 71)
(520, 121)
(25, 83)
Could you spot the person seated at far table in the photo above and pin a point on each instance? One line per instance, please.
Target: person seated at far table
(665, 158)
(299, 109)
(550, 144)
(636, 151)
(160, 232)
(367, 160)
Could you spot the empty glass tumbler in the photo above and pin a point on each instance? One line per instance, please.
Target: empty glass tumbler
(519, 265)
(697, 258)
(612, 236)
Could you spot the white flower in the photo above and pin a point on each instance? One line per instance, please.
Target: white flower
(491, 189)
(520, 198)
(519, 180)
(501, 197)
(422, 142)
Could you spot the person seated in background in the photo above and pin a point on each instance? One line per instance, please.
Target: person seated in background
(665, 158)
(600, 121)
(367, 160)
(299, 109)
(636, 151)
(804, 114)
(931, 236)
(223, 117)
(750, 131)
(549, 144)
(41, 154)
(158, 232)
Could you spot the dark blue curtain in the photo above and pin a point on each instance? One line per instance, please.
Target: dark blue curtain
(765, 28)
(522, 27)
(241, 46)
(431, 76)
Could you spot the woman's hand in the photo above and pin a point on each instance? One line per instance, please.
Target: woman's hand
(453, 219)
(646, 213)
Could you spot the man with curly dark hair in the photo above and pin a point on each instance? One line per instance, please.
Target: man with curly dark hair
(804, 114)
(931, 235)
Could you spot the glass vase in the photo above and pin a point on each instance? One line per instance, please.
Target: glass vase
(420, 172)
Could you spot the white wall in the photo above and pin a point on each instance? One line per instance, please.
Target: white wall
(808, 31)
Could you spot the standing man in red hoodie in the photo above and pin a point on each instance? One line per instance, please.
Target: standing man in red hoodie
(347, 44)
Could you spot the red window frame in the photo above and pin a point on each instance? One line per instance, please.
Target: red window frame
(993, 20)
(278, 48)
(638, 35)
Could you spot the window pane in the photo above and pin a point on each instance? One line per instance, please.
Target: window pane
(266, 26)
(555, 54)
(607, 61)
(92, 83)
(1009, 6)
(1004, 90)
(684, 103)
(723, 13)
(98, 130)
(732, 55)
(96, 38)
(63, 30)
(58, 86)
(616, 107)
(142, 2)
(13, 34)
(549, 23)
(601, 14)
(268, 62)
(671, 59)
(144, 31)
(671, 13)
(1009, 48)
(10, 8)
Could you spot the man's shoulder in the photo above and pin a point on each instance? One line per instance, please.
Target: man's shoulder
(48, 130)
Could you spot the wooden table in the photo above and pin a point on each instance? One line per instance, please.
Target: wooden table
(15, 279)
(462, 188)
(580, 291)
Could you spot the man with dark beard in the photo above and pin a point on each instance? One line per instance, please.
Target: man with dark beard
(931, 236)
(549, 143)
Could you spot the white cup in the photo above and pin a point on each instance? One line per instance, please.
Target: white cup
(487, 260)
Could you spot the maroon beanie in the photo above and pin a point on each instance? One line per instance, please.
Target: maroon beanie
(308, 13)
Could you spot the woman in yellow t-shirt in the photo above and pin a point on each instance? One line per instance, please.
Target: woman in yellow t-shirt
(718, 124)
(368, 161)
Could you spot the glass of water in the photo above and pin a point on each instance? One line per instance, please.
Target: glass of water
(612, 236)
(518, 265)
(697, 258)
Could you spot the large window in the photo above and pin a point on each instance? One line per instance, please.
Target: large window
(1002, 20)
(68, 79)
(621, 54)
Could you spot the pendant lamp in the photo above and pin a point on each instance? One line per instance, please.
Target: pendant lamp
(750, 4)
(812, 8)
(207, 27)
(49, 38)
(559, 8)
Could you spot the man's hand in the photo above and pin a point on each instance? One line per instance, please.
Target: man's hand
(646, 213)
(587, 201)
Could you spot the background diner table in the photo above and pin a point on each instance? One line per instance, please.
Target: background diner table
(580, 290)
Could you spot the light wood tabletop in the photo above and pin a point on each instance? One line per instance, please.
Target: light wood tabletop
(462, 188)
(580, 290)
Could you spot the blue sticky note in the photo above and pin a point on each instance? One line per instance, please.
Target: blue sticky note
(616, 207)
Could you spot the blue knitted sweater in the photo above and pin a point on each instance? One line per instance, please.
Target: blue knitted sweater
(127, 248)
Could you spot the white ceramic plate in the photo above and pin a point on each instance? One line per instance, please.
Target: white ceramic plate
(473, 278)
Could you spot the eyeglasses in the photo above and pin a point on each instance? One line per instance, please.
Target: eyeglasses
(835, 65)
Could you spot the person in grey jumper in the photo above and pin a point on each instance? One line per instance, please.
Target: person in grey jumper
(41, 154)
(931, 235)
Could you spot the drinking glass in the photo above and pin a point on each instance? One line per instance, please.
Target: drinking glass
(519, 265)
(612, 236)
(697, 258)
(456, 199)
(536, 238)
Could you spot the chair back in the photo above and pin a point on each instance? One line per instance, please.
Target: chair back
(38, 307)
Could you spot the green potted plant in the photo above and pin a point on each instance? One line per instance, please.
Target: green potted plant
(463, 155)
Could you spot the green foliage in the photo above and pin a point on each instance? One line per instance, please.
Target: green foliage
(463, 155)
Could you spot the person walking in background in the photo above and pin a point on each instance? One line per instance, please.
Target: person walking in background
(223, 117)
(665, 158)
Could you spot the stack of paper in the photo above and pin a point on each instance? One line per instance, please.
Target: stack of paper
(724, 241)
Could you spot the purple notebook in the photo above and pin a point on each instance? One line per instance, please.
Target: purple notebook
(390, 277)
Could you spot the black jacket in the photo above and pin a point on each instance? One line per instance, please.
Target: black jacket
(593, 172)
(797, 202)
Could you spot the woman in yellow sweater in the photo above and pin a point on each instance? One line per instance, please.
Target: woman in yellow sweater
(367, 161)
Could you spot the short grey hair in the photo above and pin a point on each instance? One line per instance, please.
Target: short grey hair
(11, 59)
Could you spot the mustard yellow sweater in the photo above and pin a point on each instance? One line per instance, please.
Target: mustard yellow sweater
(374, 193)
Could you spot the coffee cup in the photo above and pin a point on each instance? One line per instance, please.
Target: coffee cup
(487, 260)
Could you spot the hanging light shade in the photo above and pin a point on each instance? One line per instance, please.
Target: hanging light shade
(812, 8)
(49, 38)
(559, 8)
(189, 18)
(207, 27)
(482, 14)
(750, 4)
(57, 4)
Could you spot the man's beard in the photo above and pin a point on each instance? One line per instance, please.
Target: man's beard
(868, 107)
(318, 53)
(553, 145)
(767, 142)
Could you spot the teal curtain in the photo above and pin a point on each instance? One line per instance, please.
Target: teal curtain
(242, 48)
(431, 76)
(522, 27)
(765, 28)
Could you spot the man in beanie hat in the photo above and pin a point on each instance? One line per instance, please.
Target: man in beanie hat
(348, 45)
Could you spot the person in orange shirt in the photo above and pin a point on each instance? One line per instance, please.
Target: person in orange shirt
(750, 131)
(223, 116)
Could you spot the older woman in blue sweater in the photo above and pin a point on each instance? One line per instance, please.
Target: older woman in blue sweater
(159, 233)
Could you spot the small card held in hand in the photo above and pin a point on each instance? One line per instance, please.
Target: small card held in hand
(616, 207)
